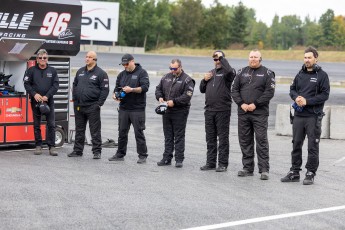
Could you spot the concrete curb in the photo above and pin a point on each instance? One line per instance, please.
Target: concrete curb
(333, 123)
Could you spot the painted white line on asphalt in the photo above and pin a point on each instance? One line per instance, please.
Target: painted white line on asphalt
(340, 160)
(267, 218)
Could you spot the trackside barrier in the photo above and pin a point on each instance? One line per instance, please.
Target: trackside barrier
(337, 122)
(333, 123)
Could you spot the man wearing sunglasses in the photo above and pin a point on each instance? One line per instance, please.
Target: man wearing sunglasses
(130, 91)
(176, 89)
(41, 82)
(252, 91)
(217, 88)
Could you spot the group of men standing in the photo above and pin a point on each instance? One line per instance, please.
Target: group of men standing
(251, 88)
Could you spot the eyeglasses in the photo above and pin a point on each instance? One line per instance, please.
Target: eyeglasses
(125, 65)
(44, 58)
(173, 69)
(215, 59)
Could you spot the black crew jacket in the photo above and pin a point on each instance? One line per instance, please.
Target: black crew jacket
(314, 87)
(254, 86)
(42, 81)
(179, 89)
(218, 89)
(135, 102)
(90, 86)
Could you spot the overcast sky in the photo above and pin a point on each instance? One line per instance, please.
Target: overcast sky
(266, 9)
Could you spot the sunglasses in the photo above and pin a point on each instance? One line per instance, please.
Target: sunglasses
(174, 69)
(215, 59)
(44, 58)
(125, 65)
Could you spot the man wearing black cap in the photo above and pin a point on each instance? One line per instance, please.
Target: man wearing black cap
(41, 83)
(90, 90)
(176, 90)
(217, 88)
(130, 90)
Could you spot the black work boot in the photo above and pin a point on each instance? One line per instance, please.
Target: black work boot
(116, 158)
(309, 178)
(207, 167)
(141, 160)
(164, 162)
(75, 154)
(244, 173)
(178, 164)
(291, 176)
(97, 156)
(221, 168)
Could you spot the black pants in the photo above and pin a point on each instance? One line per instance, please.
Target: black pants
(91, 113)
(50, 118)
(248, 125)
(303, 126)
(217, 125)
(174, 128)
(137, 119)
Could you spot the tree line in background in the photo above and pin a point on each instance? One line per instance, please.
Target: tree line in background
(164, 23)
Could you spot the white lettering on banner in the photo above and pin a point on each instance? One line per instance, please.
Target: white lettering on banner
(9, 21)
(100, 21)
(12, 35)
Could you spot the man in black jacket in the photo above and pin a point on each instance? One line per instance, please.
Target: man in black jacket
(176, 89)
(217, 88)
(130, 90)
(252, 91)
(41, 83)
(90, 90)
(309, 91)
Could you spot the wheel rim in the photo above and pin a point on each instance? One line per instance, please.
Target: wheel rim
(58, 137)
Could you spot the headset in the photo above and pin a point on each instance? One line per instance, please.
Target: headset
(260, 60)
(315, 66)
(95, 59)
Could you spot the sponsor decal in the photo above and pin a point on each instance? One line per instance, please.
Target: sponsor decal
(313, 79)
(13, 110)
(66, 34)
(15, 21)
(189, 93)
(93, 77)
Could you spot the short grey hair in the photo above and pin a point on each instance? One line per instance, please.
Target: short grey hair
(41, 52)
(178, 62)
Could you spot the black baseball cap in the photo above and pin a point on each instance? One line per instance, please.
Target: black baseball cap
(126, 58)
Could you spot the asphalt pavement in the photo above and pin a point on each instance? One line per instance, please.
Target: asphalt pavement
(45, 192)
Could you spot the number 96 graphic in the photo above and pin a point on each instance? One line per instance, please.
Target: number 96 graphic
(54, 23)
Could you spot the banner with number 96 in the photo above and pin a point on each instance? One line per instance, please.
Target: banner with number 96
(57, 22)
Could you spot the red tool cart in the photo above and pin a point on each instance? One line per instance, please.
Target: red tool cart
(26, 27)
